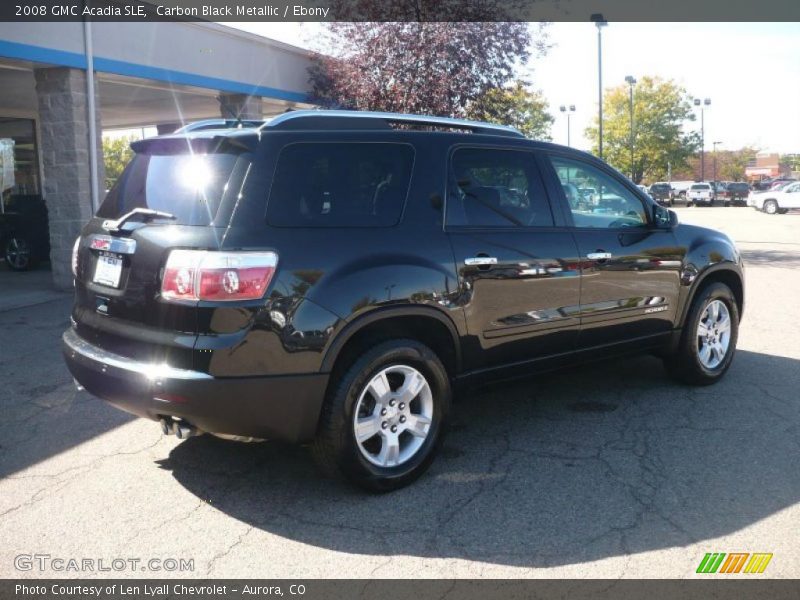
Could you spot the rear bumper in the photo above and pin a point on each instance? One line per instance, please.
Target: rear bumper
(277, 407)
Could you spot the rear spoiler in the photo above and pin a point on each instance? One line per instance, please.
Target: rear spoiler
(179, 144)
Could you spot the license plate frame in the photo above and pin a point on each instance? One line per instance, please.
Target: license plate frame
(108, 270)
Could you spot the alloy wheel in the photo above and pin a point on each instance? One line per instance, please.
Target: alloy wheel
(18, 253)
(713, 334)
(393, 416)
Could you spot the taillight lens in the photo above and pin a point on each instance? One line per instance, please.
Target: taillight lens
(211, 275)
(75, 247)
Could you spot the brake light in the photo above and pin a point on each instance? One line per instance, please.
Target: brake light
(211, 275)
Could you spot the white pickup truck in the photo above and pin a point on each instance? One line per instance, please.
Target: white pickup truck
(700, 193)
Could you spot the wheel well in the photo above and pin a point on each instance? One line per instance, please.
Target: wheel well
(428, 330)
(732, 280)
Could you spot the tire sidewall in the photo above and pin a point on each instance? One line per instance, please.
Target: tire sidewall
(715, 291)
(400, 352)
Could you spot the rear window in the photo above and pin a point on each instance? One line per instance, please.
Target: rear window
(340, 185)
(190, 186)
(659, 187)
(700, 186)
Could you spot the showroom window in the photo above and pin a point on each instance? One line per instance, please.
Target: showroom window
(19, 165)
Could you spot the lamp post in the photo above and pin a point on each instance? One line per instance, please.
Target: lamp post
(568, 110)
(715, 144)
(631, 82)
(599, 22)
(702, 105)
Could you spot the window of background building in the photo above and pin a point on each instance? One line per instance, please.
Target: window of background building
(21, 180)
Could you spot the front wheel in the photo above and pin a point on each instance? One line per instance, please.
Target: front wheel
(708, 341)
(770, 207)
(384, 418)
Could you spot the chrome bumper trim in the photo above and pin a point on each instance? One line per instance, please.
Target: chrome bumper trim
(82, 350)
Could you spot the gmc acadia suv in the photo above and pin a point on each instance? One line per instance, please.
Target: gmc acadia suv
(328, 277)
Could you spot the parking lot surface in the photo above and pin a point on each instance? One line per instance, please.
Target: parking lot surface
(607, 470)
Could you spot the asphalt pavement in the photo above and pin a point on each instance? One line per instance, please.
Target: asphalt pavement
(607, 470)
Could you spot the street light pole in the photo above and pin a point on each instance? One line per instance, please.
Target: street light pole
(599, 22)
(715, 144)
(702, 105)
(569, 110)
(631, 82)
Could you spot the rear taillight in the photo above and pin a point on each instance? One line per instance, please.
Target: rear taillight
(211, 275)
(75, 247)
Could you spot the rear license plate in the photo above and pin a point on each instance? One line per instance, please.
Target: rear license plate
(108, 270)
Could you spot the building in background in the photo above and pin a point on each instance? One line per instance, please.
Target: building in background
(146, 74)
(765, 165)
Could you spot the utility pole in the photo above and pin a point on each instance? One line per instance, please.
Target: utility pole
(631, 82)
(599, 22)
(568, 110)
(702, 105)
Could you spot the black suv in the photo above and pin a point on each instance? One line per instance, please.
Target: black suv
(328, 277)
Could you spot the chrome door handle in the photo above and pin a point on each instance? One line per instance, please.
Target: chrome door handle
(474, 261)
(598, 255)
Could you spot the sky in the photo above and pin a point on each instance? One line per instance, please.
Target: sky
(750, 71)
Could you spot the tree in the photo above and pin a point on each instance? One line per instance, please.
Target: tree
(515, 106)
(731, 165)
(422, 68)
(117, 154)
(660, 109)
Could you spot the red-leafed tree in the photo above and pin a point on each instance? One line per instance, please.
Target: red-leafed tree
(434, 68)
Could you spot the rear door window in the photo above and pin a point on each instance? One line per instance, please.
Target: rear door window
(351, 184)
(191, 186)
(490, 187)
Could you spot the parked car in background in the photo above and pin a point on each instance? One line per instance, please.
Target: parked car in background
(223, 285)
(700, 193)
(662, 193)
(738, 191)
(24, 234)
(720, 192)
(680, 190)
(779, 200)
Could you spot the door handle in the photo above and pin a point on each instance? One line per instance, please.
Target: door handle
(480, 261)
(598, 255)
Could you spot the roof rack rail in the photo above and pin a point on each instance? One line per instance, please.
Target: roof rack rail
(351, 119)
(219, 124)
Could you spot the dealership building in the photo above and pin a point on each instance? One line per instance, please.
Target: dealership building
(145, 75)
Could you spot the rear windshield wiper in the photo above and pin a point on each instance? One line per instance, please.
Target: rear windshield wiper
(146, 214)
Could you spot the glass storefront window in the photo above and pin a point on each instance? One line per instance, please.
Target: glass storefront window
(20, 179)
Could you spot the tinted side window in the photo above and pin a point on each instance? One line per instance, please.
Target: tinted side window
(595, 198)
(496, 188)
(340, 185)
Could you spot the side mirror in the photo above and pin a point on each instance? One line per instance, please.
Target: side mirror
(664, 218)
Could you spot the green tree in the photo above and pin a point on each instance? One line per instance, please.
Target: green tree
(116, 154)
(515, 106)
(732, 164)
(660, 110)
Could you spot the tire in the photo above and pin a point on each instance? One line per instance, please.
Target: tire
(336, 449)
(770, 207)
(18, 253)
(687, 364)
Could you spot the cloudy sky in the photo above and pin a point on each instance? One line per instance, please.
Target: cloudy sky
(750, 71)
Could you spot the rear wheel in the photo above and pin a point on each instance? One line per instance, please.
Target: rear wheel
(18, 253)
(770, 207)
(385, 416)
(708, 341)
